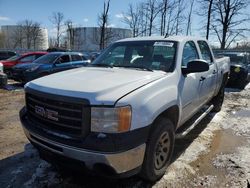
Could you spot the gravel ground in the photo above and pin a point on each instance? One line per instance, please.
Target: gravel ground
(215, 154)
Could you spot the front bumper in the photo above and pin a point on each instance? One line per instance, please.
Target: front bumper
(119, 161)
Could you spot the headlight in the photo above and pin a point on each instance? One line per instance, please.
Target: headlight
(32, 69)
(110, 120)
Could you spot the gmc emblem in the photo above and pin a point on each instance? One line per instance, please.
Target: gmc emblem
(46, 113)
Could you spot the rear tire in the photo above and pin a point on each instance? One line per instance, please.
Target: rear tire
(159, 150)
(217, 101)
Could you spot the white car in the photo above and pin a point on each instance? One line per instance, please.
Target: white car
(120, 115)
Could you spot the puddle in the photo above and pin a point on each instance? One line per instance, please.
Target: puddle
(224, 142)
(242, 113)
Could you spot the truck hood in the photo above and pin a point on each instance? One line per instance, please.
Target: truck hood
(101, 86)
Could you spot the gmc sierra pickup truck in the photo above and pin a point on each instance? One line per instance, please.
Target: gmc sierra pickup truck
(120, 115)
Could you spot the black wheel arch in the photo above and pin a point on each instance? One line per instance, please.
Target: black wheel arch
(172, 113)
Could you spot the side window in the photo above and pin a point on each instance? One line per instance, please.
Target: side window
(39, 55)
(189, 53)
(11, 53)
(63, 59)
(205, 51)
(76, 58)
(28, 58)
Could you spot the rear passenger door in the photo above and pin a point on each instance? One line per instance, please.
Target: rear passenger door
(62, 63)
(209, 83)
(76, 61)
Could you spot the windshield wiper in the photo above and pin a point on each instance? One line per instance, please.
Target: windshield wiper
(100, 65)
(134, 67)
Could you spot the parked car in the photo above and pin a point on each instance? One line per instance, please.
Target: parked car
(94, 55)
(6, 54)
(239, 68)
(119, 118)
(47, 64)
(17, 59)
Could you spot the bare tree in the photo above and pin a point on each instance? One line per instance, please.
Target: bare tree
(171, 18)
(131, 18)
(103, 23)
(71, 33)
(57, 19)
(153, 9)
(179, 17)
(207, 7)
(163, 15)
(37, 35)
(18, 38)
(188, 31)
(228, 20)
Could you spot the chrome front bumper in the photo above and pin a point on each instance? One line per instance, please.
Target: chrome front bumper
(121, 162)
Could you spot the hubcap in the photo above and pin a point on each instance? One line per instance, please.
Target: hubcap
(162, 151)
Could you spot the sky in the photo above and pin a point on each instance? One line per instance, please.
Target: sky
(81, 12)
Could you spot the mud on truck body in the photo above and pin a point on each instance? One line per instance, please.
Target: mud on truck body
(120, 115)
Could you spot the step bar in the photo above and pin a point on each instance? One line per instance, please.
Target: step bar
(196, 122)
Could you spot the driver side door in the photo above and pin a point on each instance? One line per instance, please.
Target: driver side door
(190, 84)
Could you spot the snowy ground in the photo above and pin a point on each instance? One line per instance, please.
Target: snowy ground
(215, 154)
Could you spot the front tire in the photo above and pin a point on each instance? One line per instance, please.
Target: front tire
(159, 150)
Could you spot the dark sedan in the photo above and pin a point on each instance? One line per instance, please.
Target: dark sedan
(47, 64)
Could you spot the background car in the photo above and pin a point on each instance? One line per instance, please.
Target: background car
(239, 68)
(6, 54)
(48, 64)
(94, 55)
(17, 59)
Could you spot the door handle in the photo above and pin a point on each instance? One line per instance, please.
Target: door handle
(214, 71)
(202, 78)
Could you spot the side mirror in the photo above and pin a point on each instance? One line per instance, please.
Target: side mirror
(197, 65)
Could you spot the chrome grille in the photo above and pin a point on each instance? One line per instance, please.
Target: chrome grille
(55, 115)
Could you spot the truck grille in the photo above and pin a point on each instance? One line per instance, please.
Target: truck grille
(57, 116)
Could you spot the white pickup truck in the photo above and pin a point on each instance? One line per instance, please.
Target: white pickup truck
(120, 115)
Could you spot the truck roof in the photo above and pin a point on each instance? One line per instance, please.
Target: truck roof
(170, 38)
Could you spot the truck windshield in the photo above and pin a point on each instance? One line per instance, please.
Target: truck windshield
(47, 59)
(145, 55)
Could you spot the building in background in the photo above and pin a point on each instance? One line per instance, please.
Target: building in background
(21, 37)
(87, 39)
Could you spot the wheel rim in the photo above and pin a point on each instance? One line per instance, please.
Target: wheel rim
(162, 150)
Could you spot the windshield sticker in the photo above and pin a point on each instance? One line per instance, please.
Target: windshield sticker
(167, 44)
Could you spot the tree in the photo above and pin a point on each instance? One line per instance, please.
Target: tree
(153, 9)
(131, 18)
(57, 19)
(208, 9)
(18, 38)
(71, 33)
(188, 31)
(179, 17)
(103, 23)
(228, 20)
(163, 14)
